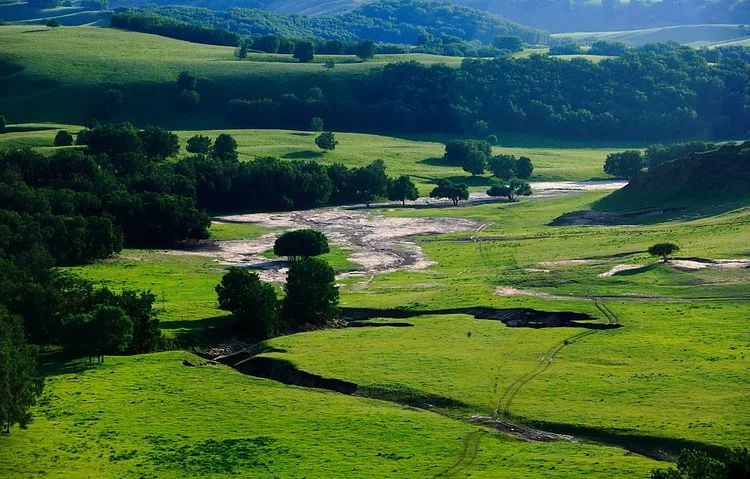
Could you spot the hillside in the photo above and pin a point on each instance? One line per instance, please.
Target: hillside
(701, 180)
(694, 35)
(393, 21)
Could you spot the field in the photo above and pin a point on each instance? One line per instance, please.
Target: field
(672, 376)
(695, 35)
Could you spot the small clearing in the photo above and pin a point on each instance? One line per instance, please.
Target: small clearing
(620, 268)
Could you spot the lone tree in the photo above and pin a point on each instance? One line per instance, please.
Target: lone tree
(19, 384)
(625, 164)
(225, 148)
(665, 250)
(199, 144)
(3, 124)
(326, 141)
(252, 302)
(304, 51)
(241, 51)
(453, 191)
(300, 244)
(365, 49)
(311, 294)
(317, 124)
(402, 189)
(63, 138)
(512, 190)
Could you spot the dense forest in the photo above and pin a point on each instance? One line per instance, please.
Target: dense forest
(657, 92)
(387, 21)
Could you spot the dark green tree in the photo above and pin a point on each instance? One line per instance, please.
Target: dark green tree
(326, 141)
(3, 124)
(475, 162)
(453, 191)
(225, 148)
(186, 81)
(370, 182)
(402, 189)
(19, 383)
(457, 151)
(523, 168)
(63, 138)
(506, 42)
(365, 49)
(251, 301)
(110, 103)
(503, 166)
(158, 143)
(53, 23)
(311, 293)
(199, 144)
(300, 244)
(241, 51)
(664, 250)
(512, 190)
(304, 51)
(625, 164)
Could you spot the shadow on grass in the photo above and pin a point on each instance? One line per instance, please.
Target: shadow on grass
(511, 317)
(633, 272)
(655, 447)
(56, 363)
(436, 161)
(302, 155)
(201, 333)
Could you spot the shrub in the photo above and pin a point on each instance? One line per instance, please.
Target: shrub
(63, 138)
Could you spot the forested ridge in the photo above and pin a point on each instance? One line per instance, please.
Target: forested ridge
(657, 92)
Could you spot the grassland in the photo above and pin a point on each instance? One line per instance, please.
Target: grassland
(54, 74)
(706, 35)
(673, 375)
(419, 156)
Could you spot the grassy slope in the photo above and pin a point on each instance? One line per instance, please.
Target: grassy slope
(420, 156)
(150, 416)
(675, 371)
(61, 75)
(696, 35)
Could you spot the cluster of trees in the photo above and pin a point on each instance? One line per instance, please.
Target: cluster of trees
(387, 21)
(630, 97)
(304, 50)
(627, 164)
(692, 464)
(475, 156)
(311, 296)
(146, 22)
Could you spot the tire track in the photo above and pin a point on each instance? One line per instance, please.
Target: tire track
(468, 455)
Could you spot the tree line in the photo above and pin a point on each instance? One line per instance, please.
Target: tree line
(658, 92)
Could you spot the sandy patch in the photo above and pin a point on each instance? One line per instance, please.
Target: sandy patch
(377, 243)
(693, 264)
(620, 267)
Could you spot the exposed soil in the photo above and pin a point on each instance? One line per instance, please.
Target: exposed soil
(620, 268)
(702, 263)
(601, 218)
(377, 243)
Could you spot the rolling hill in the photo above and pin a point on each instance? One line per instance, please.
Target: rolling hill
(694, 35)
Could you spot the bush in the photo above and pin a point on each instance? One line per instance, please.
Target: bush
(199, 144)
(301, 244)
(326, 141)
(63, 138)
(251, 301)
